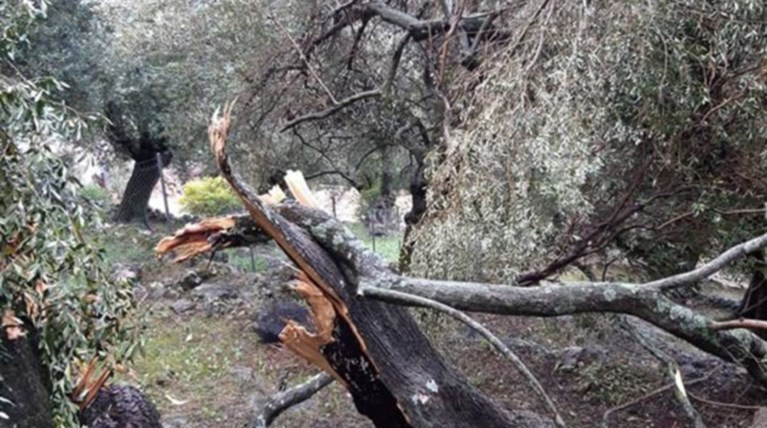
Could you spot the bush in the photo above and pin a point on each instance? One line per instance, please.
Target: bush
(95, 194)
(209, 196)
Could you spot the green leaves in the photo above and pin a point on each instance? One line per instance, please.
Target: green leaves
(46, 264)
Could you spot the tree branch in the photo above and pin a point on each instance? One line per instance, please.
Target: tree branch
(711, 267)
(330, 110)
(287, 399)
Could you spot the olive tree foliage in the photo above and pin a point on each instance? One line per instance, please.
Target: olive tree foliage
(603, 128)
(337, 96)
(54, 282)
(161, 66)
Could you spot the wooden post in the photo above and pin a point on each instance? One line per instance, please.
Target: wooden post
(164, 193)
(252, 259)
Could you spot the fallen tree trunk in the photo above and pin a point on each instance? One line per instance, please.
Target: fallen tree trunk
(394, 375)
(645, 301)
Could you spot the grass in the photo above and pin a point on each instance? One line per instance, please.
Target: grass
(387, 246)
(240, 258)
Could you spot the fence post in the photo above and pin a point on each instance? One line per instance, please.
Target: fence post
(164, 193)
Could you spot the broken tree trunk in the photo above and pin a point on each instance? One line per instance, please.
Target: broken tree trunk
(376, 350)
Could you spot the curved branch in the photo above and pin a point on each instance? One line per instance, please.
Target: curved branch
(332, 109)
(287, 399)
(713, 266)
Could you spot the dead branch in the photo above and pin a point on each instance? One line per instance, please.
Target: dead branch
(739, 323)
(332, 109)
(460, 316)
(680, 393)
(286, 399)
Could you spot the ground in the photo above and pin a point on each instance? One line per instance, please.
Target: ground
(204, 367)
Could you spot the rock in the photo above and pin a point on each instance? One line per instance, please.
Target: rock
(128, 273)
(270, 323)
(242, 374)
(190, 280)
(156, 290)
(576, 357)
(213, 291)
(175, 422)
(182, 305)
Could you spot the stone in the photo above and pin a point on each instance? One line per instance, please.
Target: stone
(213, 291)
(575, 357)
(182, 305)
(190, 280)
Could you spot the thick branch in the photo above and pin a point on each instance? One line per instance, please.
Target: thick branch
(551, 300)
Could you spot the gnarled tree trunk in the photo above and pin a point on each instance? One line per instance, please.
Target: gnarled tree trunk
(145, 175)
(24, 384)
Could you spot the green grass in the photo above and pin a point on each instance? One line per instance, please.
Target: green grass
(240, 258)
(387, 246)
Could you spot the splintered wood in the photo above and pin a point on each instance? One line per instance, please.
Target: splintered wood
(298, 339)
(194, 239)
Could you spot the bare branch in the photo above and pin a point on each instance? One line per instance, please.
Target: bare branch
(287, 399)
(739, 323)
(330, 110)
(460, 316)
(304, 58)
(713, 266)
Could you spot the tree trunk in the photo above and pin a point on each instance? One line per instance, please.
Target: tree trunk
(145, 175)
(24, 382)
(418, 209)
(394, 375)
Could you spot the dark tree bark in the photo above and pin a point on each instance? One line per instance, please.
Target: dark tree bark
(24, 382)
(754, 303)
(145, 175)
(146, 171)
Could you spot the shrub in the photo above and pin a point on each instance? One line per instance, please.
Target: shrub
(95, 194)
(209, 196)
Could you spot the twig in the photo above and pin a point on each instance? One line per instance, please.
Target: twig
(652, 394)
(739, 323)
(679, 390)
(304, 58)
(500, 346)
(287, 399)
(330, 110)
(720, 404)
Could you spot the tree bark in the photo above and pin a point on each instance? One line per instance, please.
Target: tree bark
(24, 384)
(135, 200)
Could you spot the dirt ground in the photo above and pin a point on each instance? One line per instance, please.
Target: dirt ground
(204, 367)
